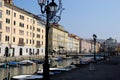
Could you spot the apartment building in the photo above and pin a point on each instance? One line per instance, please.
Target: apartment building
(86, 46)
(21, 32)
(73, 44)
(110, 46)
(58, 39)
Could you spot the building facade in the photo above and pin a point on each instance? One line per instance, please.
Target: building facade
(110, 46)
(86, 46)
(58, 39)
(73, 44)
(21, 32)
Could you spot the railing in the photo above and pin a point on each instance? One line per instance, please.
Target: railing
(38, 45)
(21, 43)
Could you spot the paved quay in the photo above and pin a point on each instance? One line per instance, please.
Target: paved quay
(103, 70)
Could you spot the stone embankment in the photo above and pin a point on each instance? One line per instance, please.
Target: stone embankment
(20, 58)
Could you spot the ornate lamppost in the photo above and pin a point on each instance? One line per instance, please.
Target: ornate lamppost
(50, 9)
(94, 38)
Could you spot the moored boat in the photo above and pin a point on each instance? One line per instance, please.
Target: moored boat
(12, 64)
(2, 65)
(37, 61)
(60, 69)
(26, 62)
(57, 58)
(40, 72)
(27, 77)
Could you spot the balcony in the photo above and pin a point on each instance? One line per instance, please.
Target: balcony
(38, 45)
(21, 43)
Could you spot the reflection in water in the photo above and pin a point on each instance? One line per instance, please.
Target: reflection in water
(32, 68)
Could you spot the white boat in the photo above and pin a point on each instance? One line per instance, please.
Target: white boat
(27, 77)
(57, 58)
(2, 64)
(40, 72)
(60, 69)
(26, 62)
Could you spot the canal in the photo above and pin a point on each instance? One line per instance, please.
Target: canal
(32, 68)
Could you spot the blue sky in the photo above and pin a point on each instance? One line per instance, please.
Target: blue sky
(85, 17)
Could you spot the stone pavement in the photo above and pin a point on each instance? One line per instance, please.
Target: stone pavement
(103, 70)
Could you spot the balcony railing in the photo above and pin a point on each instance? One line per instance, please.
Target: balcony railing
(38, 45)
(21, 43)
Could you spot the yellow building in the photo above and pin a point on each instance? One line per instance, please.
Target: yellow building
(73, 44)
(58, 39)
(21, 32)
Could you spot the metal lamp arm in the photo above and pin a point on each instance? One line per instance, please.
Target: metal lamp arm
(43, 11)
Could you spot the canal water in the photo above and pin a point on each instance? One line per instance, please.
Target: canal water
(32, 68)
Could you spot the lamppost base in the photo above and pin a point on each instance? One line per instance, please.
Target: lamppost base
(46, 71)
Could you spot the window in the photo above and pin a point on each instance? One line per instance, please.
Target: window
(27, 26)
(38, 42)
(0, 37)
(8, 12)
(38, 29)
(33, 41)
(42, 43)
(42, 37)
(13, 39)
(21, 24)
(7, 20)
(0, 25)
(27, 41)
(21, 32)
(21, 41)
(0, 13)
(14, 22)
(14, 31)
(6, 38)
(42, 31)
(30, 41)
(8, 29)
(30, 34)
(33, 28)
(21, 17)
(14, 14)
(38, 36)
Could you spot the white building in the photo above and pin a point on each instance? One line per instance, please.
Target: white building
(21, 32)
